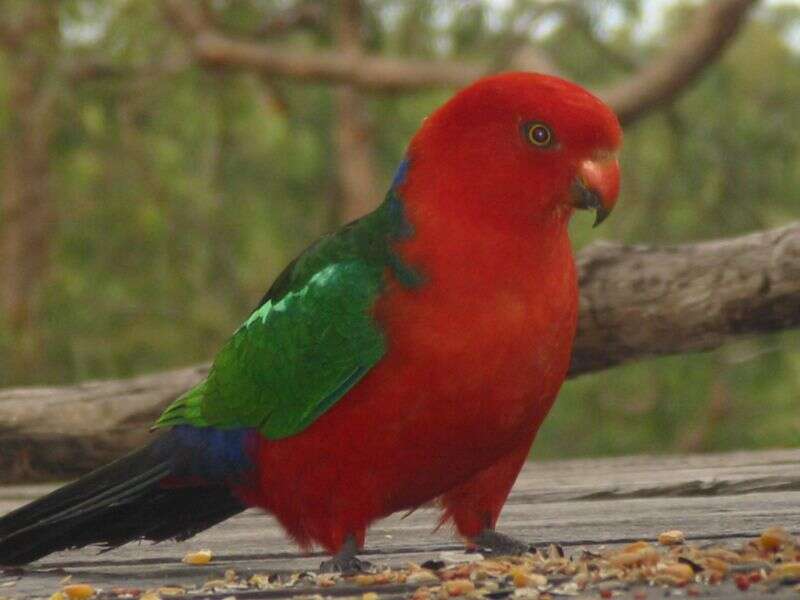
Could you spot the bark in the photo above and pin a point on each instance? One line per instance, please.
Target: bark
(655, 84)
(636, 302)
(50, 432)
(639, 301)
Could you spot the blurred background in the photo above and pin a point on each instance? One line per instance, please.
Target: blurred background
(154, 180)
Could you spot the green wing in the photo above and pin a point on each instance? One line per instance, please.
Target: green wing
(311, 339)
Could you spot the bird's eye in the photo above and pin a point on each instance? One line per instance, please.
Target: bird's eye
(538, 134)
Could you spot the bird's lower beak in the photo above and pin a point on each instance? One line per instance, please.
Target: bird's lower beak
(597, 186)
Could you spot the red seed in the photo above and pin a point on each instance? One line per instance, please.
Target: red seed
(742, 582)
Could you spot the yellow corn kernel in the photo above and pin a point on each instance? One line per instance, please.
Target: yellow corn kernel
(671, 537)
(201, 557)
(78, 591)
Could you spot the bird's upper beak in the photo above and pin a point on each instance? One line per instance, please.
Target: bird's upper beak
(597, 186)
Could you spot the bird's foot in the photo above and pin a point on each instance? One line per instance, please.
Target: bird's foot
(346, 565)
(345, 560)
(495, 543)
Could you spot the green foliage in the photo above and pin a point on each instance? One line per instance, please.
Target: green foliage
(181, 195)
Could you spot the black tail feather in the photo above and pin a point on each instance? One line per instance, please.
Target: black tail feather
(118, 503)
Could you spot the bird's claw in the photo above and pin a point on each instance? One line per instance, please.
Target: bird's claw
(494, 543)
(346, 565)
(345, 560)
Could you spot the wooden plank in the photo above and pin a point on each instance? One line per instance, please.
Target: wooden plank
(575, 503)
(573, 476)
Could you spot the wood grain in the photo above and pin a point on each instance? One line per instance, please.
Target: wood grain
(576, 503)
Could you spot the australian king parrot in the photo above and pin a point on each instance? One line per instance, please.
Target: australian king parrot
(407, 358)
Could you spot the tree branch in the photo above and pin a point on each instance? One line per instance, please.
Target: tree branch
(93, 69)
(66, 431)
(660, 81)
(636, 302)
(640, 301)
(657, 83)
(306, 15)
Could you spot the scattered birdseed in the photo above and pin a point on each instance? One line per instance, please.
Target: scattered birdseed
(769, 562)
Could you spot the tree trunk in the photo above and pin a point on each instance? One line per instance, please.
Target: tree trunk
(28, 213)
(355, 166)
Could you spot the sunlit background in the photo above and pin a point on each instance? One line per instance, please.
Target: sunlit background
(172, 193)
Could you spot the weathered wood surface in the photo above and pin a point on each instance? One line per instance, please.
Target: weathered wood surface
(725, 497)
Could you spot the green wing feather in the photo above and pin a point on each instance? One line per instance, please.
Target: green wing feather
(311, 339)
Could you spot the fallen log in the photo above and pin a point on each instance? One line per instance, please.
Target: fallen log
(636, 302)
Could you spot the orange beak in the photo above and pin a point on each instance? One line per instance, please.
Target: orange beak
(597, 186)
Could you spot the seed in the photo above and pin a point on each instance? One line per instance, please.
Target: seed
(636, 546)
(519, 577)
(458, 587)
(773, 538)
(326, 579)
(786, 570)
(171, 591)
(78, 591)
(635, 554)
(715, 564)
(742, 582)
(671, 537)
(723, 554)
(364, 579)
(523, 579)
(667, 580)
(421, 593)
(258, 580)
(679, 571)
(201, 557)
(422, 576)
(715, 577)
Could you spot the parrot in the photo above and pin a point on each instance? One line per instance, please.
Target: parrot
(407, 359)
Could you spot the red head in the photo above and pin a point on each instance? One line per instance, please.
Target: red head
(519, 148)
